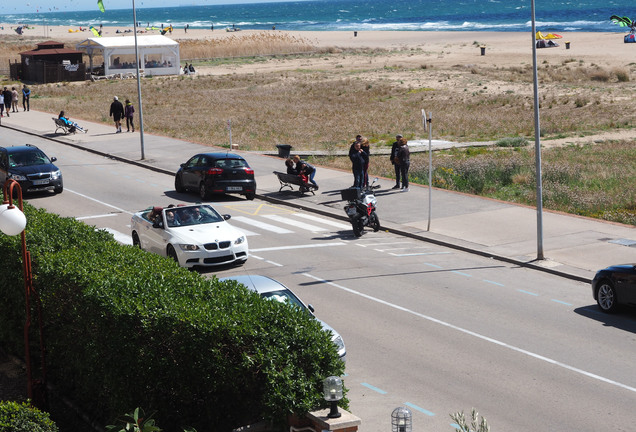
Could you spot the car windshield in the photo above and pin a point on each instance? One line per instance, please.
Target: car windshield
(230, 163)
(192, 215)
(283, 296)
(35, 157)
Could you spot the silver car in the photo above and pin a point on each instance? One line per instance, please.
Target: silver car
(271, 289)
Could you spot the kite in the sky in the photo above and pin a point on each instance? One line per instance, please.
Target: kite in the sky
(100, 5)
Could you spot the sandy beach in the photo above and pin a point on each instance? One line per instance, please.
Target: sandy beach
(501, 48)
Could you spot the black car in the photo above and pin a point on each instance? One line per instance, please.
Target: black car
(615, 285)
(30, 167)
(216, 173)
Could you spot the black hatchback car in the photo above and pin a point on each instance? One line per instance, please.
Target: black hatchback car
(216, 173)
(30, 167)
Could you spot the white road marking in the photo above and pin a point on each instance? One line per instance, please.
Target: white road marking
(477, 335)
(298, 247)
(418, 253)
(294, 223)
(382, 244)
(96, 216)
(262, 225)
(323, 220)
(100, 202)
(120, 237)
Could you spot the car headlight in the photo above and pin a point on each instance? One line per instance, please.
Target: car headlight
(189, 247)
(339, 342)
(239, 240)
(56, 174)
(17, 177)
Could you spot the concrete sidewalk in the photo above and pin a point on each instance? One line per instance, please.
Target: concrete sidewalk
(573, 247)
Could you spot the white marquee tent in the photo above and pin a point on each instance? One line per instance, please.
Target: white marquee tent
(158, 55)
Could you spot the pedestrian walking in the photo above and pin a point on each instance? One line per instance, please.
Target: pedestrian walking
(404, 162)
(1, 104)
(26, 96)
(7, 100)
(392, 157)
(14, 100)
(117, 112)
(358, 159)
(129, 114)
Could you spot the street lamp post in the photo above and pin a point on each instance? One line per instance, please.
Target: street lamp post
(13, 222)
(141, 111)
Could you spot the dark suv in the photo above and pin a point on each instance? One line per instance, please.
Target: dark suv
(216, 173)
(30, 167)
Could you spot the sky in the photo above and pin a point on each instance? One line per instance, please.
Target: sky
(35, 6)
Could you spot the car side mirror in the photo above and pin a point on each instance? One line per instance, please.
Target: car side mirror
(311, 308)
(227, 216)
(53, 159)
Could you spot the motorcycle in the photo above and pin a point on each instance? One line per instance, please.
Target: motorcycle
(360, 207)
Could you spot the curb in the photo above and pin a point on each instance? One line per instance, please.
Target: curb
(391, 229)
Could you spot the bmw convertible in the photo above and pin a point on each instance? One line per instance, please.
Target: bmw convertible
(192, 235)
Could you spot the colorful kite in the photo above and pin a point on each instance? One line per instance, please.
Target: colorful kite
(624, 22)
(100, 5)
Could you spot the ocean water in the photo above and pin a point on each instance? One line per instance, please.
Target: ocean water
(348, 15)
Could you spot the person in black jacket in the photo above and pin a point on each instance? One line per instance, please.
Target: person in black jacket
(392, 157)
(403, 161)
(358, 160)
(117, 113)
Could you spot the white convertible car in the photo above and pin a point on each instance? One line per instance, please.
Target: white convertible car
(192, 235)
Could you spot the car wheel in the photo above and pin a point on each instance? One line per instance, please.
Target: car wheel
(203, 191)
(250, 196)
(135, 239)
(178, 184)
(172, 253)
(606, 297)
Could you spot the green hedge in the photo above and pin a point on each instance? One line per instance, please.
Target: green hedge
(22, 417)
(126, 328)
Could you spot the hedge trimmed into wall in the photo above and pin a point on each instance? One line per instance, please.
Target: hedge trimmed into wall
(125, 328)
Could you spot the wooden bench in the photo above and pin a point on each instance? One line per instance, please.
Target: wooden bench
(60, 124)
(287, 180)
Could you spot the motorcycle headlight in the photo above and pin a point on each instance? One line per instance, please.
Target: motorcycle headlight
(17, 177)
(239, 240)
(189, 247)
(56, 174)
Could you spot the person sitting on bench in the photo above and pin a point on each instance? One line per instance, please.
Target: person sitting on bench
(72, 126)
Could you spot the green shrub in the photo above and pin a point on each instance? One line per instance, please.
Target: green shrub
(22, 417)
(128, 328)
(512, 142)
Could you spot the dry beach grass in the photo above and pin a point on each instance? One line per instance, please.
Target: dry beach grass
(285, 87)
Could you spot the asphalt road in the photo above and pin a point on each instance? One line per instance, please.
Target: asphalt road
(428, 327)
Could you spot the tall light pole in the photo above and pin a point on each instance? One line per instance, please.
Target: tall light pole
(13, 222)
(537, 142)
(141, 111)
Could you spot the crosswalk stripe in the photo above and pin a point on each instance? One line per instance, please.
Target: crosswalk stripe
(294, 223)
(323, 220)
(262, 225)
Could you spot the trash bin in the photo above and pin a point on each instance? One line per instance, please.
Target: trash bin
(567, 45)
(283, 150)
(355, 33)
(483, 50)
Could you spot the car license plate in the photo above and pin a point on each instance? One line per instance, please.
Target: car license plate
(40, 182)
(234, 188)
(351, 211)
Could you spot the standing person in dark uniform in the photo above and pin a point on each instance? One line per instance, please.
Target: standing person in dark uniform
(26, 96)
(404, 155)
(364, 145)
(117, 112)
(358, 159)
(394, 149)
